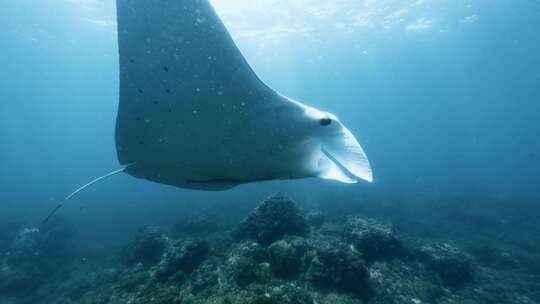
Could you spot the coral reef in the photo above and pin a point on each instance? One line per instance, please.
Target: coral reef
(276, 217)
(453, 266)
(285, 256)
(334, 265)
(276, 255)
(375, 240)
(181, 258)
(146, 247)
(33, 256)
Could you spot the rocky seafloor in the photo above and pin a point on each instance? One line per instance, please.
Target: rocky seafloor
(282, 254)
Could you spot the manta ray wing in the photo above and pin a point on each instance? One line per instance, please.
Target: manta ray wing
(185, 91)
(193, 113)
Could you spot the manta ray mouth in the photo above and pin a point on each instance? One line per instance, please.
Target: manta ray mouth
(349, 159)
(348, 177)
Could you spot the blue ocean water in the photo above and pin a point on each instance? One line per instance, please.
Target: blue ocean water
(443, 95)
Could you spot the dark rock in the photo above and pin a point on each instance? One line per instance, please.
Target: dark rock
(285, 256)
(147, 247)
(453, 266)
(180, 259)
(334, 265)
(274, 218)
(375, 240)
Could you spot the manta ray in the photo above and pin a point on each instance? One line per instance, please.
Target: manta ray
(193, 114)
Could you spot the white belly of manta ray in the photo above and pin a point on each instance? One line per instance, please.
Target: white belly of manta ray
(193, 114)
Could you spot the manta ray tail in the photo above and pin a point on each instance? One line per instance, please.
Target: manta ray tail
(80, 189)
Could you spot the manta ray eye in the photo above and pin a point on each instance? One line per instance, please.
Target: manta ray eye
(325, 121)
